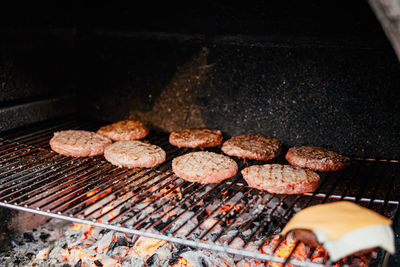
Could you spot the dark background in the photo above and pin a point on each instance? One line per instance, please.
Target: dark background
(308, 72)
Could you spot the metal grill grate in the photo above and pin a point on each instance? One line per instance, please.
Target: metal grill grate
(157, 204)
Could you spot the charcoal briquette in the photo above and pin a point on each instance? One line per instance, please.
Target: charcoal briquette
(143, 224)
(203, 263)
(111, 248)
(44, 236)
(19, 243)
(98, 263)
(160, 226)
(121, 241)
(152, 260)
(104, 231)
(28, 237)
(196, 208)
(124, 208)
(183, 249)
(79, 264)
(202, 215)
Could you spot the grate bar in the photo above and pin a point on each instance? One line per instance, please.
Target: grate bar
(216, 209)
(210, 202)
(29, 177)
(141, 182)
(35, 193)
(77, 196)
(61, 199)
(196, 202)
(58, 189)
(237, 215)
(52, 184)
(142, 199)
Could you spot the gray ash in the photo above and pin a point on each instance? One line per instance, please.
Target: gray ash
(232, 220)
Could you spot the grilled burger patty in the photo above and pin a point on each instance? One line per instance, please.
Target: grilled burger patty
(281, 179)
(124, 130)
(79, 143)
(252, 146)
(196, 138)
(204, 167)
(316, 158)
(132, 154)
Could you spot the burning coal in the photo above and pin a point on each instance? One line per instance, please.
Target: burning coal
(171, 207)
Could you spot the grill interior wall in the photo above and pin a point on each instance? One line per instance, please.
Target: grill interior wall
(307, 73)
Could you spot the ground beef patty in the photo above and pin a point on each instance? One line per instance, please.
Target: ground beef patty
(132, 154)
(204, 167)
(124, 130)
(196, 138)
(79, 143)
(252, 146)
(316, 158)
(281, 179)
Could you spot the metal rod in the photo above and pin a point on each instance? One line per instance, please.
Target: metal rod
(138, 178)
(226, 199)
(121, 184)
(209, 201)
(67, 186)
(73, 193)
(266, 221)
(20, 158)
(28, 178)
(14, 147)
(226, 213)
(38, 165)
(155, 211)
(33, 193)
(141, 199)
(54, 183)
(98, 184)
(249, 222)
(215, 210)
(201, 198)
(51, 128)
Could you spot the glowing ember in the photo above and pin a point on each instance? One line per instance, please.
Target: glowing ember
(289, 248)
(163, 210)
(226, 262)
(145, 247)
(182, 262)
(225, 208)
(77, 226)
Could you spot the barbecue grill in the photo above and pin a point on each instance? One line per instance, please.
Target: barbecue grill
(311, 80)
(38, 180)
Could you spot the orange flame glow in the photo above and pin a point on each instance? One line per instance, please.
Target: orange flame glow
(182, 262)
(226, 207)
(226, 262)
(77, 226)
